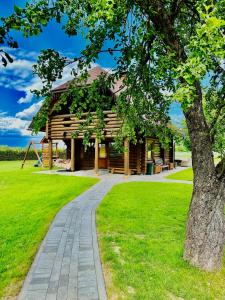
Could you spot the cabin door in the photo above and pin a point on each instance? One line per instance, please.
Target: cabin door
(103, 156)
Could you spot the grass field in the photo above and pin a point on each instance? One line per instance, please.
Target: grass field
(141, 230)
(28, 204)
(186, 174)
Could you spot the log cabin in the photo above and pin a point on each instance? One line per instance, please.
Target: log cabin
(101, 154)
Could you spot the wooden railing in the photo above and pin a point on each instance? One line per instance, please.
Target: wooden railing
(63, 126)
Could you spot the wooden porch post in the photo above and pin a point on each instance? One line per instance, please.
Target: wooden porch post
(174, 149)
(146, 158)
(96, 155)
(138, 158)
(46, 130)
(72, 155)
(56, 150)
(164, 155)
(126, 157)
(50, 153)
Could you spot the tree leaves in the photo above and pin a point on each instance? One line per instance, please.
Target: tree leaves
(4, 61)
(8, 57)
(164, 48)
(5, 58)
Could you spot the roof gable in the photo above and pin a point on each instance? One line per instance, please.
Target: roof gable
(94, 73)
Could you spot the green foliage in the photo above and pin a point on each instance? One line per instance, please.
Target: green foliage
(5, 57)
(167, 51)
(215, 113)
(141, 230)
(205, 51)
(14, 153)
(28, 204)
(41, 118)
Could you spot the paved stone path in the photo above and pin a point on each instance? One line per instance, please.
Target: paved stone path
(68, 266)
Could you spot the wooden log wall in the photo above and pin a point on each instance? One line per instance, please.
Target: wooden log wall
(62, 126)
(172, 152)
(157, 150)
(45, 155)
(68, 148)
(143, 158)
(167, 157)
(133, 156)
(116, 160)
(87, 158)
(167, 154)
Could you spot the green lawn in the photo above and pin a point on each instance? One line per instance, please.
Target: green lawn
(141, 230)
(186, 174)
(28, 204)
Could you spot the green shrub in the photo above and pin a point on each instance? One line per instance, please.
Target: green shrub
(15, 153)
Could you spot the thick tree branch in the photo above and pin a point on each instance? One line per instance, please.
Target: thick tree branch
(175, 8)
(220, 169)
(217, 116)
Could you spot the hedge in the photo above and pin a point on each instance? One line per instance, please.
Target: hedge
(13, 153)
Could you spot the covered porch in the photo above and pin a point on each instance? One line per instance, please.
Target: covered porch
(98, 155)
(103, 156)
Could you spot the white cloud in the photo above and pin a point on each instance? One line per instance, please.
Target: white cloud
(26, 99)
(18, 125)
(19, 74)
(29, 112)
(13, 125)
(3, 113)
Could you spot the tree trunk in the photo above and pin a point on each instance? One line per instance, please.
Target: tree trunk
(205, 233)
(205, 227)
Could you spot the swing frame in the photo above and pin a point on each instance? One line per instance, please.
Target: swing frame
(32, 143)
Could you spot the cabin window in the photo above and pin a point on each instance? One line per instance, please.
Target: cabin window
(149, 148)
(66, 119)
(89, 150)
(102, 151)
(113, 152)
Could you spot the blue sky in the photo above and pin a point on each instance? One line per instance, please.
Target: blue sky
(17, 103)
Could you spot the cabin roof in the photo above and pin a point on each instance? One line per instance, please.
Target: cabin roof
(93, 74)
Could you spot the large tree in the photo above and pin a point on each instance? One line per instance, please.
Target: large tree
(166, 51)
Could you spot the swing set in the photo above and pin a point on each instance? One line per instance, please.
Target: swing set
(35, 151)
(43, 161)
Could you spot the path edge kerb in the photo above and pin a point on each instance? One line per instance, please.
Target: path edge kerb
(38, 254)
(97, 258)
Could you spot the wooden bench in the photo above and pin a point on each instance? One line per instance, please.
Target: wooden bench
(121, 170)
(159, 166)
(165, 167)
